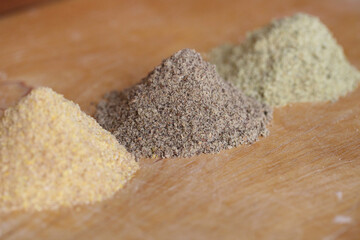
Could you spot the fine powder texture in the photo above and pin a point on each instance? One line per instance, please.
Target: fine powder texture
(182, 108)
(294, 59)
(52, 154)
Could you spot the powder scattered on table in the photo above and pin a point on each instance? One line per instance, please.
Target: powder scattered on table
(294, 59)
(182, 108)
(52, 155)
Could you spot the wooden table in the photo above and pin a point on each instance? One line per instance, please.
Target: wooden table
(301, 182)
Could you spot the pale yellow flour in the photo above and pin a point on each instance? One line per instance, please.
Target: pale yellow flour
(52, 154)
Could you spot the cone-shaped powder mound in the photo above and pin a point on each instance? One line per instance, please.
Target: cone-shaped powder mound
(182, 108)
(294, 59)
(52, 155)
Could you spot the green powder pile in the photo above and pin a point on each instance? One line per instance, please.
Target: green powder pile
(294, 59)
(52, 155)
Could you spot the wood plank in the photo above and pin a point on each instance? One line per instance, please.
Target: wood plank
(298, 183)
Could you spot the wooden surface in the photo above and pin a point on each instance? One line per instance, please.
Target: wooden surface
(301, 182)
(7, 6)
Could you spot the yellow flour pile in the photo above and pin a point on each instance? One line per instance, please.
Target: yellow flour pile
(52, 154)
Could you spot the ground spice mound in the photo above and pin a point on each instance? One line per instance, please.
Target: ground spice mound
(294, 59)
(182, 108)
(52, 155)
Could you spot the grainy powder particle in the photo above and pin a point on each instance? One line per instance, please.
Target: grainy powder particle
(182, 108)
(294, 59)
(52, 154)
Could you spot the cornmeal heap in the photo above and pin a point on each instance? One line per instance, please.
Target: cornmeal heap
(52, 155)
(294, 59)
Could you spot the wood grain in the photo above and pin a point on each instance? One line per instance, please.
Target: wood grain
(7, 6)
(301, 182)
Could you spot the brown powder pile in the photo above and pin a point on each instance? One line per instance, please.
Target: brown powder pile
(52, 154)
(182, 108)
